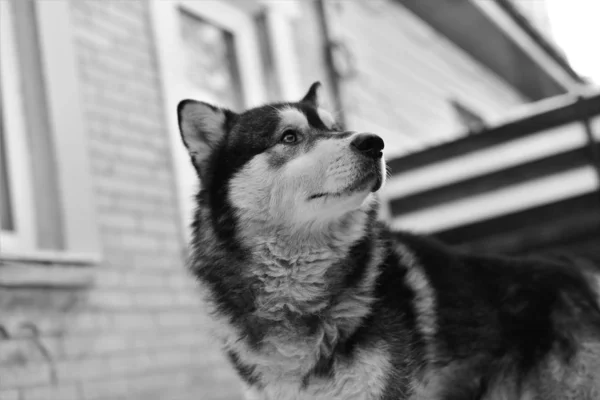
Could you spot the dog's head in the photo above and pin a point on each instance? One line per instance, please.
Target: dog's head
(286, 164)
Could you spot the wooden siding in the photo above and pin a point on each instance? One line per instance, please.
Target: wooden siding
(407, 74)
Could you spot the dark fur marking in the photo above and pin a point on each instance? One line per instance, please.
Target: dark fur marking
(246, 372)
(313, 118)
(312, 95)
(323, 369)
(360, 254)
(358, 258)
(517, 308)
(277, 160)
(278, 157)
(393, 310)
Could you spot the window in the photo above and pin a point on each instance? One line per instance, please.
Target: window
(210, 60)
(47, 211)
(215, 51)
(17, 222)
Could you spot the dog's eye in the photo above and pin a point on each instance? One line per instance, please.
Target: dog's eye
(289, 137)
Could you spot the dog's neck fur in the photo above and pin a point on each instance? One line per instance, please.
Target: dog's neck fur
(301, 315)
(297, 243)
(295, 268)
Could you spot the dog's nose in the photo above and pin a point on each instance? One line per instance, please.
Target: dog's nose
(368, 144)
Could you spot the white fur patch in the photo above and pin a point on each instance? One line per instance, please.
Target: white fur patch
(363, 378)
(250, 188)
(425, 301)
(326, 118)
(293, 118)
(384, 174)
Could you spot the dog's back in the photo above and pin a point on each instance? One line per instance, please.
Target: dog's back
(509, 328)
(579, 376)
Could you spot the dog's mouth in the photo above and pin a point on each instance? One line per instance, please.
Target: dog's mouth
(370, 179)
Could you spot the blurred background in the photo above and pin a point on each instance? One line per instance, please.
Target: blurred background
(490, 111)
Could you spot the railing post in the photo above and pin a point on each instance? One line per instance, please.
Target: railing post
(594, 152)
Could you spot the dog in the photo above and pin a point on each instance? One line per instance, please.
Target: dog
(313, 297)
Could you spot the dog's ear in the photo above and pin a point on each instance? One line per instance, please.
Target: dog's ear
(202, 127)
(313, 96)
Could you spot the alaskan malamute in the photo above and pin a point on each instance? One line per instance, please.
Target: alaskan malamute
(314, 297)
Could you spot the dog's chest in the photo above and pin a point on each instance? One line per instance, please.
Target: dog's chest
(295, 302)
(362, 377)
(292, 281)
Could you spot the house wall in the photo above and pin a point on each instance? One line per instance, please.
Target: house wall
(138, 332)
(406, 73)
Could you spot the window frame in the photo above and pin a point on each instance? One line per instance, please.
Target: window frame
(65, 133)
(239, 19)
(20, 191)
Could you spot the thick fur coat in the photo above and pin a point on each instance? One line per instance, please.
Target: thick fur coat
(314, 298)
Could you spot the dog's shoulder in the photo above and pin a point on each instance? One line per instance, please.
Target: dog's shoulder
(502, 282)
(484, 318)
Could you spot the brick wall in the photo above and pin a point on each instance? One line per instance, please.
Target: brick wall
(138, 333)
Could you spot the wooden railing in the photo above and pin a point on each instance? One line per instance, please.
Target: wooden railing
(530, 182)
